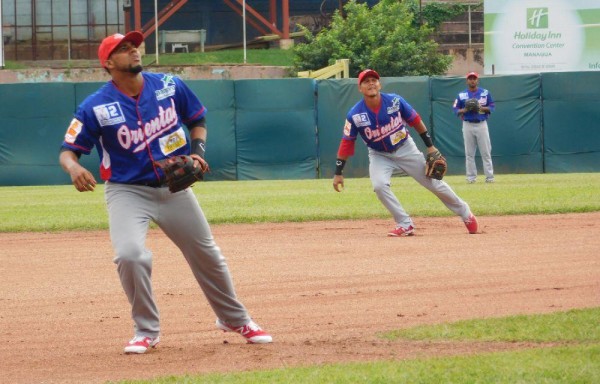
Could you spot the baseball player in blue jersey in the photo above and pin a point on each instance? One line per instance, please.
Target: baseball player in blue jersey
(133, 120)
(475, 127)
(381, 120)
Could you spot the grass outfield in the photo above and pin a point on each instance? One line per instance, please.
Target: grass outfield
(60, 208)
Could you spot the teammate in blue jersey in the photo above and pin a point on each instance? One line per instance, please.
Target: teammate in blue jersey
(475, 127)
(382, 120)
(133, 120)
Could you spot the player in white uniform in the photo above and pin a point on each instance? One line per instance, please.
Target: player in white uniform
(381, 120)
(133, 120)
(475, 127)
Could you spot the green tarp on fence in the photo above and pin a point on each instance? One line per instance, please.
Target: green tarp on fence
(291, 128)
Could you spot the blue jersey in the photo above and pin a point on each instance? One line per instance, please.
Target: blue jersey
(130, 133)
(384, 130)
(485, 100)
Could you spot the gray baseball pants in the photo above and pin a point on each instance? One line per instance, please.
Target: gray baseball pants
(477, 135)
(410, 160)
(130, 210)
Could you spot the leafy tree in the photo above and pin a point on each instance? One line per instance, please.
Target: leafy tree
(435, 14)
(384, 37)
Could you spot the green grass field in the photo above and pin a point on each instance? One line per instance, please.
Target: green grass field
(266, 57)
(269, 57)
(574, 356)
(60, 208)
(565, 346)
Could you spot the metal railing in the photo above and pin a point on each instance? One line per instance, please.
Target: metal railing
(341, 69)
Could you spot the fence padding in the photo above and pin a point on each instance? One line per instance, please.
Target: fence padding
(571, 115)
(275, 129)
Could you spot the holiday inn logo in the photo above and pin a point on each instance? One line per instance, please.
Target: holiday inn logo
(537, 18)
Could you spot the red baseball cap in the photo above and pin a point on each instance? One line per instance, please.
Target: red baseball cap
(110, 43)
(367, 73)
(473, 74)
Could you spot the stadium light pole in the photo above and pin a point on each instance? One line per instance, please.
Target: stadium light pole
(244, 27)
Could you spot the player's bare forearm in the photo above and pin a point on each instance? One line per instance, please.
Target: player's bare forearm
(421, 128)
(82, 179)
(198, 132)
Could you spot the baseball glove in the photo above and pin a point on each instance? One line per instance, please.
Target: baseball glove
(436, 165)
(180, 172)
(472, 105)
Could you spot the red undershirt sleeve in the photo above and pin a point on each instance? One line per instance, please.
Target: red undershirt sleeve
(346, 148)
(416, 120)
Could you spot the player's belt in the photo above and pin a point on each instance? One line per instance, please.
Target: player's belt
(153, 184)
(474, 121)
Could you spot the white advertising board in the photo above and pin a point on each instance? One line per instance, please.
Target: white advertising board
(525, 36)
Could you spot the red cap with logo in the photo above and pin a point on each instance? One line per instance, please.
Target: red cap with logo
(367, 73)
(473, 74)
(110, 43)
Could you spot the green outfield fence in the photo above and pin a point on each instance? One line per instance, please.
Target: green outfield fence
(291, 128)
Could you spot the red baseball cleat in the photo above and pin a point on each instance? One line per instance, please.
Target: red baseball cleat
(471, 224)
(140, 344)
(402, 232)
(251, 332)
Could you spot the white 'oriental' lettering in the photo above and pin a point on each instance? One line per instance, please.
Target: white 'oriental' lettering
(385, 130)
(166, 119)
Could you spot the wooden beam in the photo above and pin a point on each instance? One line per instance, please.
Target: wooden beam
(138, 15)
(163, 15)
(285, 9)
(127, 16)
(239, 11)
(273, 12)
(259, 17)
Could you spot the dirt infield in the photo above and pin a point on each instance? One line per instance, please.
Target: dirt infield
(323, 289)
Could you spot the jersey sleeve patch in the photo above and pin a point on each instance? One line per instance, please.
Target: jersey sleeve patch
(347, 128)
(73, 130)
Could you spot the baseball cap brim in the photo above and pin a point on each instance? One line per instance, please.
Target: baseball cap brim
(473, 74)
(367, 73)
(110, 43)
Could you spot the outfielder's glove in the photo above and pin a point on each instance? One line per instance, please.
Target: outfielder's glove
(180, 172)
(472, 105)
(436, 165)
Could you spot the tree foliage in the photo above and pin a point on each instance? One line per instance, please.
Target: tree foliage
(434, 14)
(384, 37)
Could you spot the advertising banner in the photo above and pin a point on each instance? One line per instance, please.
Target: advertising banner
(525, 36)
(1, 39)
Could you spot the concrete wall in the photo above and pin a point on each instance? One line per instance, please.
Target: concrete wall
(221, 72)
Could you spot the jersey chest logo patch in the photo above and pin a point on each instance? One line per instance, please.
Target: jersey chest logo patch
(109, 114)
(168, 89)
(172, 142)
(361, 120)
(395, 106)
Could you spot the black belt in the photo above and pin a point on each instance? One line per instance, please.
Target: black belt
(474, 121)
(153, 184)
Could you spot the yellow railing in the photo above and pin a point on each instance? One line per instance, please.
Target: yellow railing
(340, 69)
